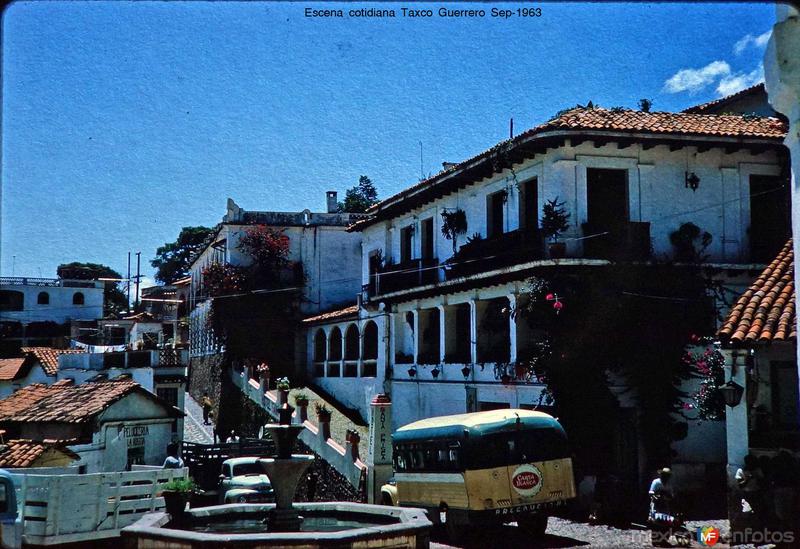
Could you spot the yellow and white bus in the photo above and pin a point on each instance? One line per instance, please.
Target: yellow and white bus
(483, 468)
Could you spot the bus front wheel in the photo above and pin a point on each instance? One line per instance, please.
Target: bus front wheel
(534, 525)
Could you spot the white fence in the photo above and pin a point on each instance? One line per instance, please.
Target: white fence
(55, 509)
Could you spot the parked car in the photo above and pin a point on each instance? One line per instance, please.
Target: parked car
(243, 481)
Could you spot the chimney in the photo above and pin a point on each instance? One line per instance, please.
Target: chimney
(448, 165)
(333, 204)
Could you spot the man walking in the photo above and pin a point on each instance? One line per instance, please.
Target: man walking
(207, 406)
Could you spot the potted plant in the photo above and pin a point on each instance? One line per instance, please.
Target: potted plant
(505, 379)
(283, 390)
(301, 399)
(412, 371)
(176, 495)
(465, 371)
(454, 223)
(323, 412)
(555, 220)
(435, 372)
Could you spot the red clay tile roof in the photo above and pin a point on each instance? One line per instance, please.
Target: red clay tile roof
(766, 311)
(668, 123)
(23, 452)
(12, 368)
(48, 356)
(623, 122)
(704, 107)
(350, 311)
(64, 402)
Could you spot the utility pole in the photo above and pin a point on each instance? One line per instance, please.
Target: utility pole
(128, 283)
(138, 276)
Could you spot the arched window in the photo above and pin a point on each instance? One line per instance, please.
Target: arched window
(77, 298)
(319, 346)
(43, 298)
(351, 343)
(370, 341)
(335, 344)
(11, 300)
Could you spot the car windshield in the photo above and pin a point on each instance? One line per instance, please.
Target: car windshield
(246, 469)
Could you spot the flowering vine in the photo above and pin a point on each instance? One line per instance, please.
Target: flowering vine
(707, 364)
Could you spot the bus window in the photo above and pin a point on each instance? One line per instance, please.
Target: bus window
(540, 445)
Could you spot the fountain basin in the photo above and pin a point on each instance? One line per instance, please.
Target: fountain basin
(327, 524)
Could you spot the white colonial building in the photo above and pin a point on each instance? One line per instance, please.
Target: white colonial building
(628, 180)
(326, 260)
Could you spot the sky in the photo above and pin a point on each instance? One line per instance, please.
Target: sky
(124, 121)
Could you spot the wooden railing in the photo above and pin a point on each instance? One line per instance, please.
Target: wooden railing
(59, 509)
(402, 276)
(623, 241)
(485, 254)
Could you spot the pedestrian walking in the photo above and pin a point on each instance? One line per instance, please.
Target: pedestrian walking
(207, 405)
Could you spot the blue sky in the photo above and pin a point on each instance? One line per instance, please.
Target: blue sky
(123, 122)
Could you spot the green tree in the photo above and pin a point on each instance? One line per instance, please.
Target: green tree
(173, 258)
(357, 199)
(114, 300)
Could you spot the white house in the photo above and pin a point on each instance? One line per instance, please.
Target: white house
(326, 256)
(111, 425)
(628, 179)
(27, 300)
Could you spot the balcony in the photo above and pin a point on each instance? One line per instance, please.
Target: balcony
(626, 241)
(402, 276)
(507, 249)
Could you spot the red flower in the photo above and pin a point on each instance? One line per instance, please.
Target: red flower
(558, 306)
(550, 297)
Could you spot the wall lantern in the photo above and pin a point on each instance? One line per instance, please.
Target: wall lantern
(732, 393)
(692, 181)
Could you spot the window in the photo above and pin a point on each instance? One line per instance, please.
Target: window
(319, 346)
(495, 206)
(770, 217)
(426, 232)
(351, 343)
(335, 344)
(43, 298)
(785, 409)
(370, 341)
(529, 205)
(77, 298)
(11, 300)
(169, 394)
(406, 241)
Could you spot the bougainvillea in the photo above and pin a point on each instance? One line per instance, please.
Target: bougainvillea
(268, 247)
(707, 364)
(220, 279)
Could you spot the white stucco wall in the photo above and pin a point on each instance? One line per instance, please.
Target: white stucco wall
(60, 309)
(656, 194)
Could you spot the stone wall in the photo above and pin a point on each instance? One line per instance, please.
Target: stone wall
(205, 374)
(331, 485)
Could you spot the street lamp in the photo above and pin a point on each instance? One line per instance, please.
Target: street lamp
(732, 393)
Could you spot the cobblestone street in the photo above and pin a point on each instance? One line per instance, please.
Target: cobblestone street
(193, 428)
(566, 533)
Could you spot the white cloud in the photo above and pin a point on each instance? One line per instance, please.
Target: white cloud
(747, 40)
(733, 83)
(694, 80)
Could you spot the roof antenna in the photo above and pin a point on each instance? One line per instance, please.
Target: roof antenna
(421, 170)
(511, 128)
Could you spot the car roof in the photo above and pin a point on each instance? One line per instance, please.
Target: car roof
(241, 460)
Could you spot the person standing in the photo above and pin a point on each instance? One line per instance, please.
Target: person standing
(207, 405)
(311, 486)
(174, 460)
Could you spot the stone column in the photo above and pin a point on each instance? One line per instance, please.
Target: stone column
(737, 432)
(416, 335)
(379, 451)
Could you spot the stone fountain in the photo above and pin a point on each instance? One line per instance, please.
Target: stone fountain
(284, 472)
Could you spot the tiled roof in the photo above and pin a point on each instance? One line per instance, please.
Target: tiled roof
(12, 368)
(668, 123)
(350, 311)
(630, 124)
(64, 402)
(48, 356)
(766, 311)
(23, 452)
(703, 107)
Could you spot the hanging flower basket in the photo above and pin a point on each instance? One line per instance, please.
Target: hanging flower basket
(412, 372)
(435, 373)
(465, 371)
